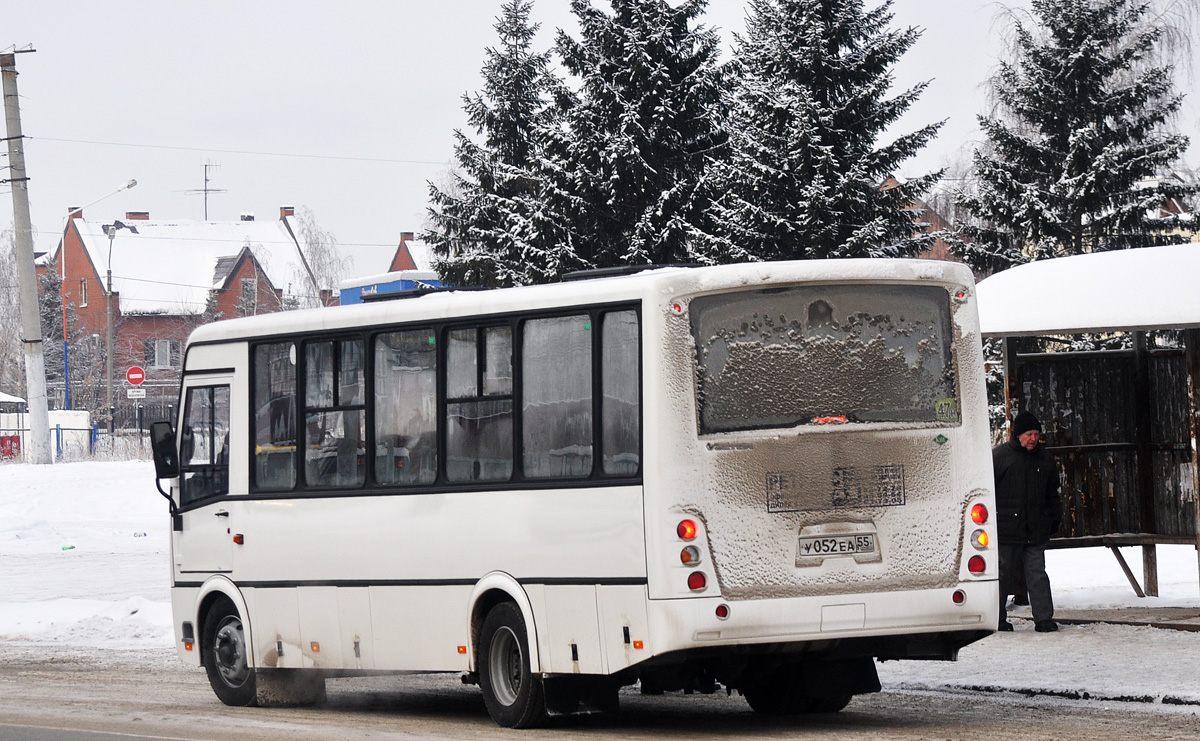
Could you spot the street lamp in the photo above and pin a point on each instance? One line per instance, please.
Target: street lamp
(62, 249)
(111, 230)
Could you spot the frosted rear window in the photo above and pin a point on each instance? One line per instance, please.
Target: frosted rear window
(824, 354)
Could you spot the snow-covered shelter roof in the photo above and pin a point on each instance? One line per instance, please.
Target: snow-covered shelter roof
(10, 398)
(1132, 289)
(169, 267)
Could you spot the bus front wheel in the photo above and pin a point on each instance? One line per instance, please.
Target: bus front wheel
(514, 696)
(226, 655)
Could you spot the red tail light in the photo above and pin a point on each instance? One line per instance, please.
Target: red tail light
(979, 514)
(976, 565)
(697, 581)
(686, 529)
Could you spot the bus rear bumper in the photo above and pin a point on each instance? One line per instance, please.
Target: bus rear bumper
(682, 624)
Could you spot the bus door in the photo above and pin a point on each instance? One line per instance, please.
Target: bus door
(205, 544)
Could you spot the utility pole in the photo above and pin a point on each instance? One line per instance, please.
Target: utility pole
(38, 441)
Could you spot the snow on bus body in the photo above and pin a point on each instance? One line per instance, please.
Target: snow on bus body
(402, 582)
(355, 290)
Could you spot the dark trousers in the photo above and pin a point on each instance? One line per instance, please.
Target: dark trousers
(1029, 560)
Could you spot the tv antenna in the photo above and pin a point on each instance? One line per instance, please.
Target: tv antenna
(206, 189)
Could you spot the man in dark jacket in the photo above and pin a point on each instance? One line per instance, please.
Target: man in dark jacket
(1029, 512)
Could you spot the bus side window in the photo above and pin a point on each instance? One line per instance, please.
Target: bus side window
(479, 404)
(620, 401)
(556, 397)
(335, 418)
(406, 407)
(275, 416)
(204, 443)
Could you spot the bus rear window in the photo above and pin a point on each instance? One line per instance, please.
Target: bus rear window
(824, 354)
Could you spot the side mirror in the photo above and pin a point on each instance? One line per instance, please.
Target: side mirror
(162, 443)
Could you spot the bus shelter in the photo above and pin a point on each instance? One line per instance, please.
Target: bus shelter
(1121, 422)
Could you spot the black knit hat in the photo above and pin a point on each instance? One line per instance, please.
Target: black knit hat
(1024, 422)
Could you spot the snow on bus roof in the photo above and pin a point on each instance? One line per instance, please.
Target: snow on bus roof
(667, 280)
(1132, 289)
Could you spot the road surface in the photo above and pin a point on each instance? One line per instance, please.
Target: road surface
(66, 694)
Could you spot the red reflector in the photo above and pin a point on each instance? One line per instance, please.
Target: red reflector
(976, 565)
(722, 611)
(686, 529)
(828, 420)
(959, 596)
(979, 514)
(239, 539)
(697, 580)
(462, 649)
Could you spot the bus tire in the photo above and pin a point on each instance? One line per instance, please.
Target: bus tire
(828, 703)
(779, 692)
(226, 655)
(513, 694)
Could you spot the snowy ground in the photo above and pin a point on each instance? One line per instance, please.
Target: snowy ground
(84, 566)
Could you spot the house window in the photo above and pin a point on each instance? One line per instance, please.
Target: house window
(83, 292)
(248, 301)
(163, 353)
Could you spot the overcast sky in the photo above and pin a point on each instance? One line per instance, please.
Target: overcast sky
(346, 108)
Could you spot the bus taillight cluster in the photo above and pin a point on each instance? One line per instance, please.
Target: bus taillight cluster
(689, 555)
(980, 540)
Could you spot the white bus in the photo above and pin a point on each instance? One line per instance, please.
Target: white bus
(756, 477)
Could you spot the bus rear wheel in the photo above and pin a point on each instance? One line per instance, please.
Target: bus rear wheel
(226, 655)
(514, 696)
(778, 693)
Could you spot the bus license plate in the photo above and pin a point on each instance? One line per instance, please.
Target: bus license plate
(837, 545)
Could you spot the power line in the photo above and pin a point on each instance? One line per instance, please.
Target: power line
(242, 241)
(240, 151)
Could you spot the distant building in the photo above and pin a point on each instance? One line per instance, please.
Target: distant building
(169, 276)
(926, 220)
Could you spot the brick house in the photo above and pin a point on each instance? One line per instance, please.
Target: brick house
(168, 277)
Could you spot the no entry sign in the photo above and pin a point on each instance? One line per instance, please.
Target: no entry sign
(135, 375)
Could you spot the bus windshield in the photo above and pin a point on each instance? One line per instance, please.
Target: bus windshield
(821, 354)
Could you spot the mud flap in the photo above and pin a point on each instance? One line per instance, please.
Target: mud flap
(283, 687)
(834, 677)
(572, 695)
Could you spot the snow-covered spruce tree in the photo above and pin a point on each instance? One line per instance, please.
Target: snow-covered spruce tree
(488, 226)
(1078, 137)
(805, 175)
(627, 167)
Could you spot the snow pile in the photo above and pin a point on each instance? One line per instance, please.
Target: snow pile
(84, 555)
(132, 623)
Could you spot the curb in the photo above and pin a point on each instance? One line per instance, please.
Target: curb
(1077, 695)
